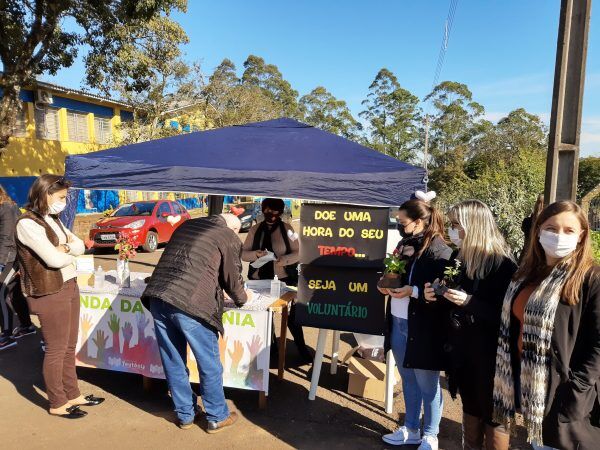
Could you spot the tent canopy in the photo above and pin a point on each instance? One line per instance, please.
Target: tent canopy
(277, 158)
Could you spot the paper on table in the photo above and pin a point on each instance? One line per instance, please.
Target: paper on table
(258, 302)
(84, 264)
(270, 256)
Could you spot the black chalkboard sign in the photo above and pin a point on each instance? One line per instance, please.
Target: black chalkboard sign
(342, 248)
(343, 235)
(336, 298)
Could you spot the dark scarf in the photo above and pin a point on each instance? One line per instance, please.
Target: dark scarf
(414, 241)
(263, 241)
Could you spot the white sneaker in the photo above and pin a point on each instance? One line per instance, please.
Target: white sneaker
(429, 443)
(403, 436)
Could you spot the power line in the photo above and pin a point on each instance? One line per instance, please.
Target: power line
(438, 70)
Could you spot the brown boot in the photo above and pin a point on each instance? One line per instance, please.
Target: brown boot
(496, 437)
(472, 432)
(215, 427)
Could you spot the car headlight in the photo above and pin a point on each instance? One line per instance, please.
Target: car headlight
(137, 224)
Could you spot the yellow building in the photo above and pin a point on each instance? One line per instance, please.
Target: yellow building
(54, 122)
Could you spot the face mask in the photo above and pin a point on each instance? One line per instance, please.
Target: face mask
(57, 207)
(558, 245)
(270, 217)
(402, 230)
(454, 237)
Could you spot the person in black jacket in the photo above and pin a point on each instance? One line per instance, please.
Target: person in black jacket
(416, 327)
(185, 295)
(10, 289)
(486, 268)
(548, 355)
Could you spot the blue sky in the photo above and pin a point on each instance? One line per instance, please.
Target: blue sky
(504, 50)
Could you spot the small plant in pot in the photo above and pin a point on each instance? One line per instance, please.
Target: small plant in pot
(450, 280)
(395, 267)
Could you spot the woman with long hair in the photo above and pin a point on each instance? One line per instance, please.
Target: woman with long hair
(416, 326)
(46, 253)
(548, 356)
(11, 297)
(486, 269)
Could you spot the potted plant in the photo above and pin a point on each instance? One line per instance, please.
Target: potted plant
(450, 279)
(395, 267)
(126, 250)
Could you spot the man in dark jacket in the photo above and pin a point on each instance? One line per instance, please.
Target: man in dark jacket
(185, 295)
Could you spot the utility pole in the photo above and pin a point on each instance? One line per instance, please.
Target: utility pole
(567, 101)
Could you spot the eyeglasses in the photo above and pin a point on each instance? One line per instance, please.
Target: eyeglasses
(61, 180)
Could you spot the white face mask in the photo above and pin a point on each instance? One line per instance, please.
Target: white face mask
(57, 207)
(454, 237)
(558, 245)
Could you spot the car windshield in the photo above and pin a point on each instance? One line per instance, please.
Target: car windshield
(135, 209)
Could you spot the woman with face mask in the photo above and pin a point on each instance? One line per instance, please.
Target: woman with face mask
(548, 356)
(46, 252)
(415, 332)
(273, 235)
(487, 267)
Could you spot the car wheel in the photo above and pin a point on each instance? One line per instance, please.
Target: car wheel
(151, 243)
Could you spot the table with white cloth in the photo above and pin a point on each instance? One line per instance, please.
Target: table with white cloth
(117, 333)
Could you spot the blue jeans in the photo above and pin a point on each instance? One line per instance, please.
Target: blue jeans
(421, 388)
(174, 330)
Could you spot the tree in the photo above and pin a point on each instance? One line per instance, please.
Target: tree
(505, 168)
(148, 72)
(269, 80)
(517, 132)
(326, 112)
(228, 102)
(453, 125)
(33, 40)
(392, 114)
(588, 176)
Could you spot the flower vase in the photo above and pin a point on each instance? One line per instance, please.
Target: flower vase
(123, 274)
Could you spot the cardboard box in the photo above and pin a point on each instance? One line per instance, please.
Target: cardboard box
(366, 378)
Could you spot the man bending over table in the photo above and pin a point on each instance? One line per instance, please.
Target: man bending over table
(185, 297)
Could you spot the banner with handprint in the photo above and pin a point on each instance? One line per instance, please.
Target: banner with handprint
(117, 333)
(244, 350)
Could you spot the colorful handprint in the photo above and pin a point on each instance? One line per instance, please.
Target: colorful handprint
(100, 340)
(114, 325)
(222, 348)
(236, 356)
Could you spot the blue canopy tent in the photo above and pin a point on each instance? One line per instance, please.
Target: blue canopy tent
(276, 158)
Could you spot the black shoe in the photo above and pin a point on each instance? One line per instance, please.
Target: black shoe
(92, 401)
(19, 332)
(7, 342)
(73, 412)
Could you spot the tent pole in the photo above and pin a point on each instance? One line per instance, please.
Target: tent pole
(215, 204)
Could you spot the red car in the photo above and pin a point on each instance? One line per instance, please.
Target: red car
(148, 223)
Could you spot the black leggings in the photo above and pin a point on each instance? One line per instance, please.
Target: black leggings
(12, 299)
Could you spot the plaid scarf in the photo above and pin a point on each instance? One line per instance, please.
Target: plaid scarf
(538, 325)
